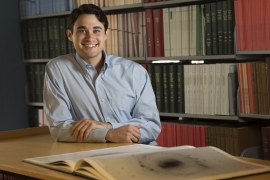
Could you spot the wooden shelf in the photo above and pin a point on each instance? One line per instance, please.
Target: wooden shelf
(201, 116)
(255, 116)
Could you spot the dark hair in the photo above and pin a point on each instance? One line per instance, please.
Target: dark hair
(87, 9)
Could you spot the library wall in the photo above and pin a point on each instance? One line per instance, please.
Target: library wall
(13, 111)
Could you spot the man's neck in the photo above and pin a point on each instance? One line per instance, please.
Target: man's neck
(97, 63)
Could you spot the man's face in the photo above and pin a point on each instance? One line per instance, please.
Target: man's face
(88, 37)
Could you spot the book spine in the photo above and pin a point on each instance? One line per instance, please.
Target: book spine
(225, 26)
(268, 78)
(45, 39)
(266, 142)
(250, 87)
(158, 32)
(159, 86)
(220, 28)
(180, 88)
(199, 30)
(254, 87)
(62, 35)
(165, 87)
(214, 28)
(208, 28)
(231, 25)
(172, 89)
(264, 92)
(150, 33)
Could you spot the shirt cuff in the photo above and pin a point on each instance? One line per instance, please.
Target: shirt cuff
(97, 135)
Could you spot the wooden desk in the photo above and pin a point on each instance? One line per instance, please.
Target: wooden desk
(33, 142)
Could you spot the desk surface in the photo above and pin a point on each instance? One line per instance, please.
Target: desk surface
(33, 142)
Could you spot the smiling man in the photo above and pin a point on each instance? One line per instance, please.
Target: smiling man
(91, 96)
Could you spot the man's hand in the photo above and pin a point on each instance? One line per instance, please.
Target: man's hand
(83, 127)
(124, 134)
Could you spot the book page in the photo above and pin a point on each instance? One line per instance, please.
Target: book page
(203, 163)
(66, 162)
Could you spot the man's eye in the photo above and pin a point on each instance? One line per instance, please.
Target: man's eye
(96, 31)
(81, 31)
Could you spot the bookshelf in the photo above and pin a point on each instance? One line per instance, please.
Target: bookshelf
(239, 56)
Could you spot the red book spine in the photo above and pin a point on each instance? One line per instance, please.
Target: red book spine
(160, 137)
(267, 24)
(254, 23)
(250, 88)
(247, 24)
(240, 33)
(149, 33)
(179, 135)
(158, 32)
(203, 136)
(241, 92)
(262, 18)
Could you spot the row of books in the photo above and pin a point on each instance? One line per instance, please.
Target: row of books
(229, 138)
(191, 30)
(108, 3)
(126, 35)
(209, 89)
(35, 78)
(167, 82)
(36, 117)
(252, 20)
(254, 92)
(45, 38)
(36, 7)
(175, 134)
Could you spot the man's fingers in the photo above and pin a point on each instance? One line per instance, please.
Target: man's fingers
(138, 126)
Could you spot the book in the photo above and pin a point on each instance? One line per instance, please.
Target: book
(158, 32)
(266, 142)
(149, 33)
(145, 161)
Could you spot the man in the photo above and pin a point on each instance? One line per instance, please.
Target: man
(91, 96)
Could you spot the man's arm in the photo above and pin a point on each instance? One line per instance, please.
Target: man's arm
(58, 110)
(144, 112)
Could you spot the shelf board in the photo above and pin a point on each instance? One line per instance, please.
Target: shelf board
(36, 60)
(200, 116)
(174, 3)
(206, 57)
(254, 52)
(46, 15)
(123, 8)
(255, 116)
(34, 104)
(136, 58)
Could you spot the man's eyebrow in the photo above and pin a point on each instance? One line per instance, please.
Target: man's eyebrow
(97, 27)
(81, 27)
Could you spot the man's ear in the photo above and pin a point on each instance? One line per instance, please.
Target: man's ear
(69, 34)
(107, 33)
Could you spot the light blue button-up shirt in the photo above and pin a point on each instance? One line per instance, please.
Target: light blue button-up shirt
(120, 94)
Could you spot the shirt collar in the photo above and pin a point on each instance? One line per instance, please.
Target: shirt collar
(84, 64)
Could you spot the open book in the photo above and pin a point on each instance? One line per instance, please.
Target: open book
(151, 162)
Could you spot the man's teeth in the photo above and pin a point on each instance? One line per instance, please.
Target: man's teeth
(90, 45)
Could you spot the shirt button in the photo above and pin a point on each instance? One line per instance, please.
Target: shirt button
(109, 118)
(102, 100)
